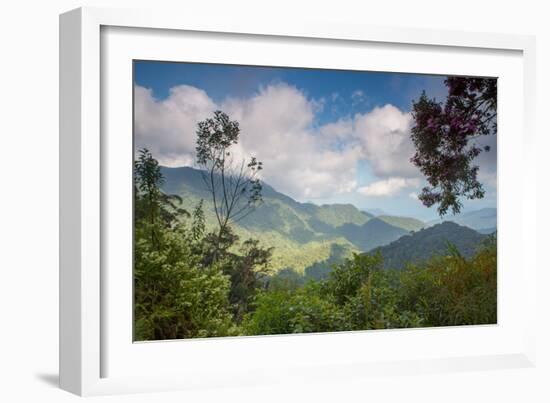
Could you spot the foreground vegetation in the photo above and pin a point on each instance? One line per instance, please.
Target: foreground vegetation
(191, 282)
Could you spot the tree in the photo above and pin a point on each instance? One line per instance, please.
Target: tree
(346, 279)
(235, 186)
(444, 138)
(452, 290)
(147, 182)
(151, 204)
(248, 272)
(304, 310)
(236, 190)
(175, 295)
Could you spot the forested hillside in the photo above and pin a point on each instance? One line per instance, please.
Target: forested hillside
(302, 234)
(439, 240)
(191, 282)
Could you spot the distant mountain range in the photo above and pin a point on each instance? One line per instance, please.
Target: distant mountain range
(374, 211)
(306, 235)
(302, 234)
(420, 246)
(483, 220)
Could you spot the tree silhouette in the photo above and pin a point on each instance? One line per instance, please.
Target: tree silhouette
(444, 137)
(234, 185)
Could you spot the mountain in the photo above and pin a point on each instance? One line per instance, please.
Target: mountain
(487, 231)
(420, 246)
(302, 234)
(483, 220)
(373, 233)
(407, 223)
(374, 211)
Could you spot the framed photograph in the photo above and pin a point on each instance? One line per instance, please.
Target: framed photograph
(237, 198)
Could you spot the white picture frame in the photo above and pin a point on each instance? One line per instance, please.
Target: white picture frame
(90, 343)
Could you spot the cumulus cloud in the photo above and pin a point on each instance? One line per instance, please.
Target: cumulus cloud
(337, 132)
(167, 127)
(277, 126)
(384, 134)
(387, 187)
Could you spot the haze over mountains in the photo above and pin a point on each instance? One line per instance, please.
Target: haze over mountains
(305, 234)
(483, 220)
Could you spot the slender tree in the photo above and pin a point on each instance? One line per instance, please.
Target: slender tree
(234, 185)
(147, 181)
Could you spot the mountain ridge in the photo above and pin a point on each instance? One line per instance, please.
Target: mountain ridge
(484, 219)
(303, 233)
(435, 240)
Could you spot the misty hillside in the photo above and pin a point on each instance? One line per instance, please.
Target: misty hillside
(483, 220)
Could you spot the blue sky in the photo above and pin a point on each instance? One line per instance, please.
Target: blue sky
(327, 135)
(221, 81)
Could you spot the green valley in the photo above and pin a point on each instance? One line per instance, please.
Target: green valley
(302, 234)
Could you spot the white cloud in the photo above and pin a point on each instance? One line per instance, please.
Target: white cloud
(276, 127)
(168, 127)
(357, 94)
(277, 123)
(384, 134)
(387, 187)
(357, 97)
(341, 130)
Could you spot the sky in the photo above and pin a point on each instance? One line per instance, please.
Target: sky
(324, 136)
